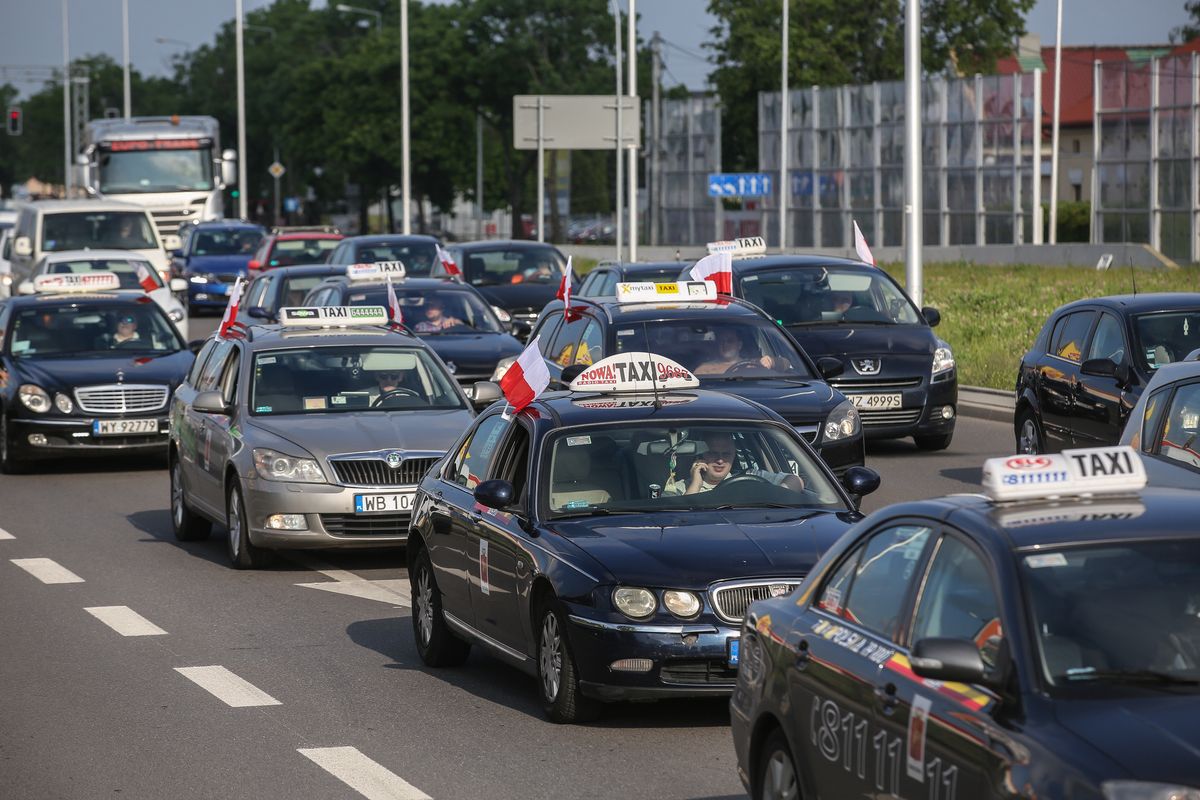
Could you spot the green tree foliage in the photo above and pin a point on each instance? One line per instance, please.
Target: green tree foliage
(1190, 29)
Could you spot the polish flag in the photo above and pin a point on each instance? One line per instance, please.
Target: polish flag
(564, 289)
(527, 378)
(448, 263)
(860, 246)
(146, 279)
(394, 303)
(231, 310)
(715, 267)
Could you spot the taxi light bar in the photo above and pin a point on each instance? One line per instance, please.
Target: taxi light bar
(76, 282)
(333, 316)
(1090, 471)
(643, 373)
(646, 292)
(745, 246)
(377, 271)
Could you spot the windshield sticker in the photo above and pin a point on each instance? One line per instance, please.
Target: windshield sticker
(574, 441)
(338, 400)
(918, 721)
(262, 410)
(266, 359)
(484, 586)
(626, 331)
(314, 403)
(1046, 560)
(20, 347)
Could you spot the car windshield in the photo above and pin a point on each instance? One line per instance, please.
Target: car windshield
(231, 242)
(829, 296)
(301, 251)
(431, 311)
(418, 257)
(124, 268)
(135, 169)
(1166, 337)
(323, 380)
(1117, 613)
(518, 265)
(659, 465)
(85, 330)
(718, 349)
(82, 230)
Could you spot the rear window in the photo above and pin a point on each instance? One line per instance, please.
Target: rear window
(301, 251)
(518, 265)
(418, 257)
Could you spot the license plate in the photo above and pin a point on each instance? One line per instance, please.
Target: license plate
(122, 427)
(731, 651)
(218, 288)
(383, 503)
(876, 402)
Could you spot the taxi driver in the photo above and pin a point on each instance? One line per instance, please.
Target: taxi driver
(729, 354)
(715, 465)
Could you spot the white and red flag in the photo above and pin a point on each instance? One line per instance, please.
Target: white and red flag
(526, 378)
(564, 289)
(231, 309)
(860, 246)
(394, 303)
(448, 263)
(715, 267)
(146, 279)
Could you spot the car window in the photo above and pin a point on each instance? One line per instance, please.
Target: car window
(55, 330)
(198, 364)
(883, 576)
(718, 347)
(1166, 337)
(536, 264)
(1070, 334)
(418, 257)
(1108, 341)
(258, 290)
(562, 351)
(512, 464)
(1181, 430)
(593, 280)
(591, 345)
(214, 367)
(829, 295)
(126, 270)
(227, 242)
(546, 330)
(833, 595)
(1145, 438)
(229, 378)
(470, 465)
(958, 601)
(609, 287)
(81, 230)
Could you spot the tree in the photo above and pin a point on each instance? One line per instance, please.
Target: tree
(1190, 29)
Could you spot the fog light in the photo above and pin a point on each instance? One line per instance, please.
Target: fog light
(37, 439)
(287, 522)
(947, 412)
(631, 665)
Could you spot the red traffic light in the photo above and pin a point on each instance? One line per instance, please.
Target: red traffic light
(14, 121)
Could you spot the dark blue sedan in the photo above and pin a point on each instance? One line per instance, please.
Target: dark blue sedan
(212, 257)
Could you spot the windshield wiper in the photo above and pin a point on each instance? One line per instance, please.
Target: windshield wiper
(784, 378)
(736, 506)
(599, 512)
(1133, 676)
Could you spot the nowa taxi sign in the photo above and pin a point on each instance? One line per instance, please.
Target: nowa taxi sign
(646, 292)
(76, 282)
(745, 246)
(377, 272)
(333, 316)
(1091, 471)
(634, 372)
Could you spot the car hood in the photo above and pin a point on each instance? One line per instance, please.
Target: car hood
(691, 549)
(221, 265)
(67, 373)
(841, 341)
(1155, 737)
(358, 432)
(510, 296)
(801, 401)
(472, 353)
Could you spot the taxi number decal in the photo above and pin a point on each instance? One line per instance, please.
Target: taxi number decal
(484, 585)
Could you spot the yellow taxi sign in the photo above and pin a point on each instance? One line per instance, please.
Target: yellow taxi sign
(76, 282)
(646, 292)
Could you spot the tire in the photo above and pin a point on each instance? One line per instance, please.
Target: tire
(242, 554)
(558, 677)
(9, 464)
(436, 645)
(935, 442)
(775, 776)
(1029, 437)
(187, 525)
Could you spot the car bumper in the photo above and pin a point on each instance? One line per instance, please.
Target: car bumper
(58, 438)
(329, 516)
(922, 412)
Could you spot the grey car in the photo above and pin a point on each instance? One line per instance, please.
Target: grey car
(310, 437)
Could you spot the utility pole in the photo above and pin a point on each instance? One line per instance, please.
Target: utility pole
(912, 151)
(633, 150)
(618, 98)
(66, 32)
(656, 140)
(784, 113)
(125, 50)
(406, 170)
(1054, 127)
(239, 38)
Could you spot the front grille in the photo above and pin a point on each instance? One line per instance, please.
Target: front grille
(731, 600)
(227, 278)
(374, 525)
(807, 432)
(873, 384)
(698, 671)
(121, 398)
(167, 221)
(376, 472)
(889, 416)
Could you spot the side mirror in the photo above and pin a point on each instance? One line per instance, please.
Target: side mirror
(521, 329)
(195, 345)
(948, 660)
(860, 481)
(22, 246)
(25, 287)
(211, 402)
(830, 367)
(258, 312)
(178, 285)
(932, 316)
(1099, 367)
(496, 493)
(256, 264)
(485, 393)
(172, 242)
(229, 167)
(571, 373)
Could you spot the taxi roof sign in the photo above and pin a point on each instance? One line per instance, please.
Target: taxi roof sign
(745, 246)
(647, 292)
(638, 372)
(76, 282)
(377, 271)
(1090, 471)
(333, 316)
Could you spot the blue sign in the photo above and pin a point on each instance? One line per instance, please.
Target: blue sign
(291, 204)
(802, 183)
(739, 184)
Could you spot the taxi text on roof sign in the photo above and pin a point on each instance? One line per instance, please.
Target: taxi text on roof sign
(634, 372)
(377, 272)
(333, 316)
(1099, 470)
(745, 246)
(76, 282)
(657, 292)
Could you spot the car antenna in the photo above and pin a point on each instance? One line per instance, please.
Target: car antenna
(1132, 275)
(653, 378)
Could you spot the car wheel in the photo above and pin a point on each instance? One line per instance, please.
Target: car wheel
(776, 776)
(932, 443)
(558, 677)
(9, 464)
(188, 526)
(242, 554)
(436, 645)
(1029, 434)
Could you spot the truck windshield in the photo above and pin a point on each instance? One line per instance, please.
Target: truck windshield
(83, 230)
(156, 171)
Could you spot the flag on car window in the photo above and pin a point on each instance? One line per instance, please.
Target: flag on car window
(564, 289)
(715, 267)
(231, 309)
(860, 246)
(526, 378)
(394, 303)
(146, 279)
(448, 263)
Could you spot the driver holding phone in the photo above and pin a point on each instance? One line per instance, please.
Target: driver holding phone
(715, 465)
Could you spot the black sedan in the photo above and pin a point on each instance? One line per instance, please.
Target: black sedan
(519, 277)
(608, 543)
(603, 279)
(280, 287)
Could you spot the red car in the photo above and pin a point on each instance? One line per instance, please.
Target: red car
(285, 247)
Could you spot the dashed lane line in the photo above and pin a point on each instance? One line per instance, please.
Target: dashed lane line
(5, 534)
(227, 687)
(369, 778)
(125, 621)
(47, 570)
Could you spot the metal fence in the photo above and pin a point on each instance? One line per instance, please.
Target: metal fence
(690, 150)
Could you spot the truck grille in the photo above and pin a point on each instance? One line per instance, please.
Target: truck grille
(121, 398)
(375, 525)
(167, 221)
(730, 600)
(698, 672)
(376, 472)
(890, 416)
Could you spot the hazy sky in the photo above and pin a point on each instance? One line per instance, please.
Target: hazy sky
(31, 30)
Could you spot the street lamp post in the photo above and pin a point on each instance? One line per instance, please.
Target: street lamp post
(239, 40)
(1054, 127)
(66, 32)
(633, 153)
(784, 118)
(913, 272)
(125, 53)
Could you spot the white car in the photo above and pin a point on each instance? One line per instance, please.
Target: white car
(8, 219)
(125, 265)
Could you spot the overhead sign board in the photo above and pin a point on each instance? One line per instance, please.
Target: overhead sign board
(739, 184)
(575, 121)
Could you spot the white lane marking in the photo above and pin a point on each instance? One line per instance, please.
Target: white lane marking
(47, 570)
(369, 778)
(5, 534)
(227, 687)
(125, 621)
(395, 591)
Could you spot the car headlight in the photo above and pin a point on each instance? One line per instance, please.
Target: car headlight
(63, 403)
(502, 314)
(1140, 790)
(34, 398)
(198, 279)
(502, 367)
(634, 602)
(176, 314)
(943, 358)
(681, 603)
(843, 422)
(275, 466)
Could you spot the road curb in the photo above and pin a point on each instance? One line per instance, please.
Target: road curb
(996, 405)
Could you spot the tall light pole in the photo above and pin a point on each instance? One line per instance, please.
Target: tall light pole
(784, 114)
(125, 52)
(1054, 127)
(913, 273)
(66, 32)
(239, 41)
(633, 153)
(406, 164)
(620, 181)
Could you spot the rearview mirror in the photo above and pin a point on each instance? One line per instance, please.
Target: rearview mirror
(485, 393)
(22, 246)
(496, 493)
(258, 312)
(521, 329)
(1099, 367)
(178, 285)
(211, 402)
(830, 367)
(172, 242)
(943, 659)
(932, 316)
(860, 481)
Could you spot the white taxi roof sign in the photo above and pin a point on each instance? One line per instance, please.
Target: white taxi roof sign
(745, 246)
(76, 282)
(377, 271)
(333, 316)
(639, 372)
(647, 292)
(1083, 472)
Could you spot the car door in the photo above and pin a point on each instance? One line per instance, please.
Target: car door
(840, 648)
(185, 421)
(1058, 377)
(203, 479)
(1173, 434)
(221, 442)
(1103, 402)
(952, 747)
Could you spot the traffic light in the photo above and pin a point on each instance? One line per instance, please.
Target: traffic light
(14, 120)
